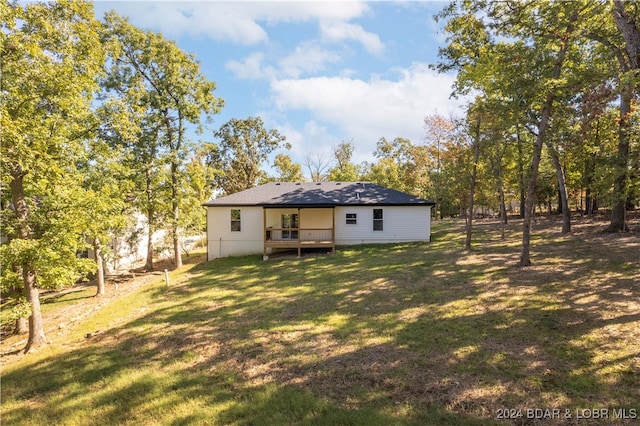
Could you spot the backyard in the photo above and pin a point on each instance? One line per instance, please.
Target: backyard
(415, 333)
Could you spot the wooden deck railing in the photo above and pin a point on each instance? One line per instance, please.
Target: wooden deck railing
(299, 234)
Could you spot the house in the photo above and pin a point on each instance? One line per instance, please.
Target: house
(290, 215)
(128, 248)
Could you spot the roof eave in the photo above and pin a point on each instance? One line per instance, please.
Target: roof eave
(317, 205)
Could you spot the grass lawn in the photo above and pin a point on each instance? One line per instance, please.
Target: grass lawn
(373, 335)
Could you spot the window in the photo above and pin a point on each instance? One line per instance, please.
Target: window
(377, 220)
(352, 218)
(235, 220)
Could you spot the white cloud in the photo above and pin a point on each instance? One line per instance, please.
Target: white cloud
(336, 31)
(365, 111)
(306, 58)
(237, 22)
(222, 21)
(251, 67)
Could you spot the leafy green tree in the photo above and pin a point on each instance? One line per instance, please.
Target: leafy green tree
(244, 145)
(344, 170)
(288, 171)
(385, 172)
(595, 128)
(106, 214)
(439, 136)
(51, 55)
(625, 46)
(169, 83)
(541, 38)
(401, 165)
(472, 127)
(132, 126)
(196, 191)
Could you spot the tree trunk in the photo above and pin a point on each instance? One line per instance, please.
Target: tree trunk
(21, 327)
(525, 256)
(630, 32)
(588, 202)
(474, 173)
(562, 187)
(37, 338)
(503, 208)
(588, 176)
(150, 219)
(36, 330)
(175, 205)
(522, 181)
(149, 263)
(97, 249)
(177, 254)
(619, 202)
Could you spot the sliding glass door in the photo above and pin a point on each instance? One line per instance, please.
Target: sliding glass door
(290, 226)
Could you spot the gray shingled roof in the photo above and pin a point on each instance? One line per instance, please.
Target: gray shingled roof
(320, 194)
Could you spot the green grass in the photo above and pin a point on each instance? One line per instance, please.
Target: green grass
(391, 334)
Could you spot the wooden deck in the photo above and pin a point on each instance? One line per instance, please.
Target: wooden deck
(306, 238)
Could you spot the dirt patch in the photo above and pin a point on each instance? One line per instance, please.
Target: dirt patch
(59, 321)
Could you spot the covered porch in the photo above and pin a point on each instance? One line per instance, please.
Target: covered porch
(298, 228)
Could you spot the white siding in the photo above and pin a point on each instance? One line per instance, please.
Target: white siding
(400, 224)
(316, 218)
(308, 217)
(221, 242)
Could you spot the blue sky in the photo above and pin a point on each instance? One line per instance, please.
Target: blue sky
(319, 72)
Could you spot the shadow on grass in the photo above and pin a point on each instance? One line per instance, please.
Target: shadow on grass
(397, 334)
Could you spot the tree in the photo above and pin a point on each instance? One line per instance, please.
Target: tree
(438, 134)
(130, 125)
(317, 166)
(401, 165)
(196, 191)
(344, 170)
(51, 56)
(595, 123)
(543, 36)
(244, 145)
(104, 190)
(474, 120)
(170, 85)
(385, 172)
(627, 22)
(288, 171)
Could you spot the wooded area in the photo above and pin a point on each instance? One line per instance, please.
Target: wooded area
(96, 118)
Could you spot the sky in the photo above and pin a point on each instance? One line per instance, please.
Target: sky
(319, 72)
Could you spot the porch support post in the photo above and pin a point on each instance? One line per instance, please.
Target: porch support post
(333, 230)
(299, 222)
(264, 234)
